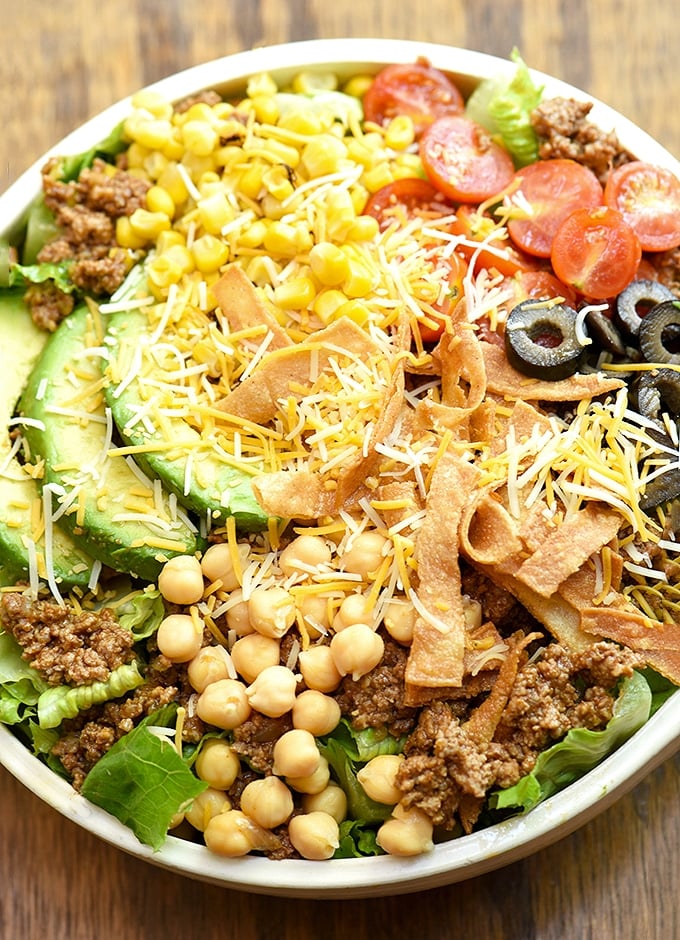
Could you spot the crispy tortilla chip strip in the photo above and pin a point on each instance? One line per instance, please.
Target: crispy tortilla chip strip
(658, 643)
(568, 546)
(240, 304)
(256, 398)
(488, 534)
(502, 379)
(524, 421)
(436, 657)
(417, 695)
(294, 494)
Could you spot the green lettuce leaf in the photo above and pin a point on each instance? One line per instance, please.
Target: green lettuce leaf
(580, 750)
(20, 684)
(357, 840)
(504, 108)
(70, 168)
(21, 275)
(65, 701)
(143, 781)
(141, 614)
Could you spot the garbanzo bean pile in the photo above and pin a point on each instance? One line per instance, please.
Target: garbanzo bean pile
(417, 568)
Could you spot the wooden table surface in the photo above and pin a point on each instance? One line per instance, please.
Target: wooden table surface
(617, 877)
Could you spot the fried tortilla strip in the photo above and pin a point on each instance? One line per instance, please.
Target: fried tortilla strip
(569, 546)
(658, 643)
(257, 397)
(240, 304)
(436, 657)
(294, 494)
(502, 379)
(489, 535)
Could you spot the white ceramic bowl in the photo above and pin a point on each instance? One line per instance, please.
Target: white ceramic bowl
(464, 857)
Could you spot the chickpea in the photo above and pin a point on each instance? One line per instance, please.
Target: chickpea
(253, 653)
(314, 611)
(224, 704)
(273, 691)
(331, 800)
(179, 637)
(399, 620)
(238, 618)
(356, 650)
(218, 764)
(271, 611)
(233, 834)
(206, 805)
(408, 832)
(314, 782)
(208, 665)
(304, 553)
(267, 801)
(365, 554)
(318, 668)
(353, 609)
(296, 754)
(315, 712)
(217, 564)
(378, 778)
(315, 835)
(181, 580)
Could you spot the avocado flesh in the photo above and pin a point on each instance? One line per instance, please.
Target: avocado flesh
(108, 504)
(210, 486)
(20, 345)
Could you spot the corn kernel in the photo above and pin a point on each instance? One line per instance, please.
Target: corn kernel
(147, 224)
(209, 253)
(363, 151)
(261, 84)
(181, 256)
(303, 238)
(361, 279)
(137, 155)
(307, 123)
(154, 164)
(266, 109)
(174, 146)
(277, 181)
(295, 294)
(377, 177)
(306, 83)
(153, 102)
(223, 110)
(341, 214)
(125, 236)
(400, 133)
(260, 270)
(327, 303)
(253, 235)
(250, 182)
(329, 263)
(284, 153)
(167, 240)
(411, 163)
(152, 133)
(172, 182)
(280, 239)
(214, 212)
(363, 229)
(358, 85)
(163, 270)
(160, 200)
(199, 111)
(354, 310)
(196, 165)
(323, 155)
(200, 137)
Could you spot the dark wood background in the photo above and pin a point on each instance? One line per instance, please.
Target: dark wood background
(614, 879)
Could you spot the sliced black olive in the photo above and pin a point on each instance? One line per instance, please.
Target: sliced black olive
(658, 391)
(660, 332)
(637, 299)
(541, 340)
(661, 489)
(604, 333)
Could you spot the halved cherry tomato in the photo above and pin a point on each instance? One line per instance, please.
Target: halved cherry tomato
(417, 90)
(404, 198)
(499, 252)
(539, 285)
(463, 161)
(548, 191)
(596, 252)
(648, 197)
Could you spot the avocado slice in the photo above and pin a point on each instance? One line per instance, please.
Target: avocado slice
(194, 468)
(104, 502)
(20, 524)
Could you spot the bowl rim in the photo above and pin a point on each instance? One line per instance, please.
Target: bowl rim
(449, 862)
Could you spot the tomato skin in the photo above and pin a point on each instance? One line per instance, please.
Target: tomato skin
(540, 285)
(596, 252)
(505, 258)
(553, 189)
(417, 90)
(648, 197)
(405, 198)
(463, 161)
(457, 269)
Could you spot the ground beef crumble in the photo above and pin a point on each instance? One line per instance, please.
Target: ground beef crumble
(66, 647)
(85, 211)
(445, 764)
